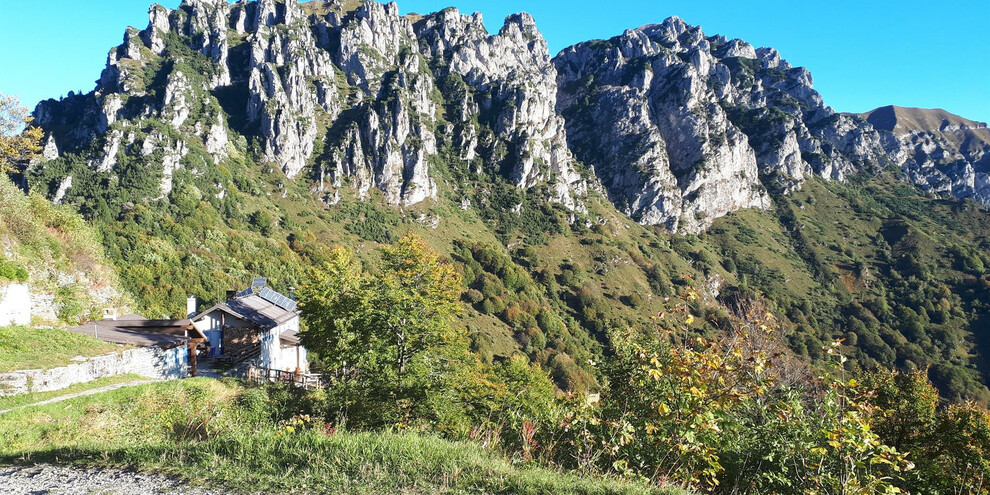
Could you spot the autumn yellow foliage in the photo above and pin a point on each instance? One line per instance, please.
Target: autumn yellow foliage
(19, 140)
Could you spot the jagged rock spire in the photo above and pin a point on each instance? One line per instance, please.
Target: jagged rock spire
(676, 127)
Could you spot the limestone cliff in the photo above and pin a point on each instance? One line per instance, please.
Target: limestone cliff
(941, 152)
(351, 93)
(682, 128)
(674, 126)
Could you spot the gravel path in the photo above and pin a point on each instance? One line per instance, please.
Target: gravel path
(80, 394)
(46, 479)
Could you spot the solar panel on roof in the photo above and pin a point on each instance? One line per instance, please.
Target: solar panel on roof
(245, 292)
(277, 299)
(266, 294)
(259, 282)
(269, 295)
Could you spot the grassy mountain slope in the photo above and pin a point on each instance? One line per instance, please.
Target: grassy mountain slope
(567, 283)
(61, 256)
(901, 277)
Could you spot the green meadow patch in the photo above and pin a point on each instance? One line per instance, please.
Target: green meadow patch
(44, 348)
(225, 432)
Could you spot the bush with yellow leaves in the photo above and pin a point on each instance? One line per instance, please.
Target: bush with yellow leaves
(731, 413)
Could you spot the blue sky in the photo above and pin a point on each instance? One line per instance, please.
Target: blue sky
(862, 54)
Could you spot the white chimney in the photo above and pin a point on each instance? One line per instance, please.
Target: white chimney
(191, 307)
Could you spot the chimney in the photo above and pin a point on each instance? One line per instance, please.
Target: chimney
(109, 313)
(191, 306)
(231, 294)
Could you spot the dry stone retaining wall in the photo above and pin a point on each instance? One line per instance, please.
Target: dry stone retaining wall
(152, 362)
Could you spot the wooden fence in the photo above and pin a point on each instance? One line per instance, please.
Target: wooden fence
(268, 375)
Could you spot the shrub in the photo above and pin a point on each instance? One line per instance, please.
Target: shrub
(11, 270)
(261, 222)
(473, 296)
(632, 300)
(69, 301)
(254, 403)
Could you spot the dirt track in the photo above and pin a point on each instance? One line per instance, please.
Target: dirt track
(46, 479)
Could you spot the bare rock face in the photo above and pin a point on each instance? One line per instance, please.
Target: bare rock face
(509, 83)
(205, 23)
(671, 121)
(388, 134)
(158, 28)
(941, 152)
(707, 123)
(645, 111)
(50, 150)
(354, 94)
(290, 79)
(675, 127)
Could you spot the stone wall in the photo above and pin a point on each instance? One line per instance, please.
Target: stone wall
(152, 362)
(15, 305)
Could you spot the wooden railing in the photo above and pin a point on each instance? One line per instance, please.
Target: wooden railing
(269, 375)
(241, 355)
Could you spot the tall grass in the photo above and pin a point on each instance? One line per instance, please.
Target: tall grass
(221, 432)
(43, 348)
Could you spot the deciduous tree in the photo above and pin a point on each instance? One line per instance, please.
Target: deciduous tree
(391, 326)
(19, 140)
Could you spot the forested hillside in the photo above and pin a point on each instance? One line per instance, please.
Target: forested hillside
(190, 188)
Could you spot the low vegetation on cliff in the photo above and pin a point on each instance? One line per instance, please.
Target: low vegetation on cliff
(59, 255)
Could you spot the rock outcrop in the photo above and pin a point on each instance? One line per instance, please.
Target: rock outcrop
(509, 85)
(387, 135)
(351, 92)
(941, 152)
(676, 127)
(682, 128)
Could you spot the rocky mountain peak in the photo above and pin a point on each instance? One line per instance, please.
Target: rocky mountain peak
(941, 152)
(522, 25)
(677, 127)
(668, 32)
(351, 92)
(682, 127)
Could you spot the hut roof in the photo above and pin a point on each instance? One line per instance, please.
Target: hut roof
(138, 331)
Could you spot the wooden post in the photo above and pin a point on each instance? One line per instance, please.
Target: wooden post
(192, 358)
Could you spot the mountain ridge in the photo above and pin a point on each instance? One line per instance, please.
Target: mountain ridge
(893, 117)
(700, 180)
(577, 194)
